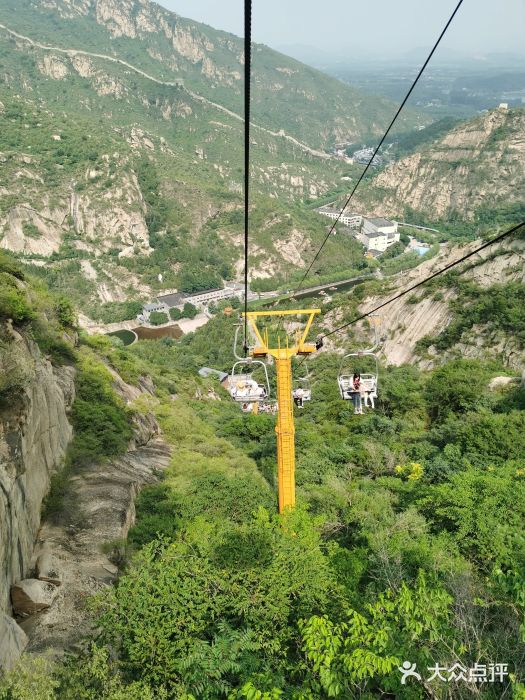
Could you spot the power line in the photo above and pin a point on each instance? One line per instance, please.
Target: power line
(497, 239)
(425, 64)
(247, 96)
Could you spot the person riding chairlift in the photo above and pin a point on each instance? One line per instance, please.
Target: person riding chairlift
(298, 397)
(356, 393)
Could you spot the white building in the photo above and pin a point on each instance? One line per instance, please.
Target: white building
(351, 220)
(176, 300)
(379, 234)
(212, 296)
(379, 225)
(156, 306)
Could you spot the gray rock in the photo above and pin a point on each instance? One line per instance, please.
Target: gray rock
(500, 382)
(31, 596)
(48, 568)
(13, 641)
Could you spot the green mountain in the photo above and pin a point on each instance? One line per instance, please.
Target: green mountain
(468, 177)
(122, 148)
(288, 95)
(405, 544)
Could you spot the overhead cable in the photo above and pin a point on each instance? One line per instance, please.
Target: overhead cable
(247, 96)
(448, 267)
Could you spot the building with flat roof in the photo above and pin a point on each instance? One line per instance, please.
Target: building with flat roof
(378, 241)
(174, 300)
(379, 225)
(211, 296)
(347, 219)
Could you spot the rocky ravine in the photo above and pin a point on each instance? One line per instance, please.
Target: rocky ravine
(85, 548)
(405, 323)
(47, 571)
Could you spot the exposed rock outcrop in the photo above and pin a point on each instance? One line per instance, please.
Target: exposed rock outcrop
(34, 434)
(48, 568)
(89, 545)
(31, 596)
(13, 642)
(477, 164)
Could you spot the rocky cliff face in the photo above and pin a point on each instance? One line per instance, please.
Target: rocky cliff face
(48, 570)
(34, 434)
(407, 320)
(477, 165)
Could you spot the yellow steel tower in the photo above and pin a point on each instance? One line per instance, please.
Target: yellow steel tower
(285, 427)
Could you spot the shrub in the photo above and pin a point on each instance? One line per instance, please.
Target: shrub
(13, 300)
(189, 310)
(101, 423)
(157, 318)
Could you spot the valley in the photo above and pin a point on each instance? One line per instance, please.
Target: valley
(145, 551)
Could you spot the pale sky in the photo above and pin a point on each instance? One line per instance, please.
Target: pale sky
(377, 27)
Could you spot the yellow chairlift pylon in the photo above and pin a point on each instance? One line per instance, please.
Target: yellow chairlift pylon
(285, 427)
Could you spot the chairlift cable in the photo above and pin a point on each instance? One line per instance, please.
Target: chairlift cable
(247, 96)
(369, 164)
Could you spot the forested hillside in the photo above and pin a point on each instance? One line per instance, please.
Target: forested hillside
(111, 178)
(143, 553)
(406, 543)
(308, 105)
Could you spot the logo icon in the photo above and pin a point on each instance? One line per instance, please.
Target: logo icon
(408, 669)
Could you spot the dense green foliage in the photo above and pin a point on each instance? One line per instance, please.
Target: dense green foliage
(157, 318)
(116, 311)
(410, 142)
(499, 308)
(407, 543)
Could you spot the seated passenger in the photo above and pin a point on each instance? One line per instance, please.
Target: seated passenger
(355, 393)
(298, 397)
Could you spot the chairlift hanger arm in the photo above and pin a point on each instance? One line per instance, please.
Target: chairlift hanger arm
(299, 347)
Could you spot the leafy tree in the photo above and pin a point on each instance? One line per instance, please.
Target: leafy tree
(158, 318)
(189, 310)
(456, 387)
(485, 511)
(235, 590)
(350, 658)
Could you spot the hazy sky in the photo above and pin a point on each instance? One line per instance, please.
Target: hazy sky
(378, 27)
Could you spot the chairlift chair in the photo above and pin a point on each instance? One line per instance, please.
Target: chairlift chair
(242, 385)
(302, 390)
(369, 380)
